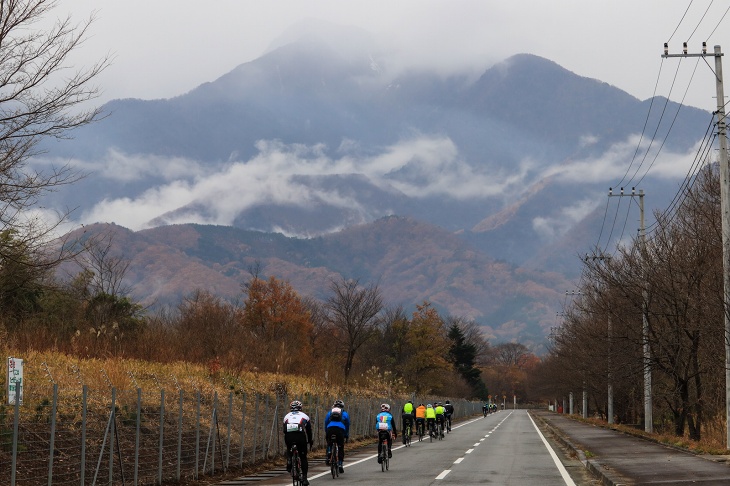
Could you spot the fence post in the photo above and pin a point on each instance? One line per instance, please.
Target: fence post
(53, 434)
(162, 436)
(228, 438)
(136, 435)
(255, 428)
(197, 433)
(179, 436)
(112, 420)
(16, 414)
(84, 405)
(243, 430)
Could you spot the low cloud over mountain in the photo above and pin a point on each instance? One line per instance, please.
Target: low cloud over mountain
(309, 140)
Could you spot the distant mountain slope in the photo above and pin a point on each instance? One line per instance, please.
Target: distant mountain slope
(325, 143)
(410, 261)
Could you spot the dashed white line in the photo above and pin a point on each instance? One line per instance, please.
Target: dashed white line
(443, 474)
(477, 444)
(458, 460)
(469, 451)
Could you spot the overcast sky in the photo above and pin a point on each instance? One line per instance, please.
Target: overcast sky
(163, 48)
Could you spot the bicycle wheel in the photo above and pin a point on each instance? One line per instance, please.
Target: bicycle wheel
(296, 471)
(441, 431)
(333, 462)
(383, 456)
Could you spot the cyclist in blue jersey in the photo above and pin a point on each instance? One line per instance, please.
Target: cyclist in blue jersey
(385, 425)
(337, 423)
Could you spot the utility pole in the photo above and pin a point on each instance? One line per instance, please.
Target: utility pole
(724, 208)
(648, 402)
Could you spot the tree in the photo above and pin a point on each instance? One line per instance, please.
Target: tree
(463, 354)
(352, 311)
(425, 369)
(39, 98)
(278, 326)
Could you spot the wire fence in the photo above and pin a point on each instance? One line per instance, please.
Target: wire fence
(138, 437)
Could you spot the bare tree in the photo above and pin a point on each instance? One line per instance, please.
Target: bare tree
(40, 97)
(352, 310)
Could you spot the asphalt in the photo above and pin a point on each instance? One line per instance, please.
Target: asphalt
(617, 458)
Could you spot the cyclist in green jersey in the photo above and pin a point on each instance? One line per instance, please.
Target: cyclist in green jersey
(430, 418)
(408, 417)
(439, 411)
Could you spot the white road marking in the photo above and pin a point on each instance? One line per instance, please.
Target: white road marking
(458, 460)
(443, 474)
(469, 451)
(558, 464)
(477, 444)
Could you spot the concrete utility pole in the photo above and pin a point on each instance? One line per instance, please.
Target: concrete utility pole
(724, 208)
(648, 403)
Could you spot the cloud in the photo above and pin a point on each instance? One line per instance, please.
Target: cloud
(422, 166)
(623, 161)
(418, 167)
(553, 227)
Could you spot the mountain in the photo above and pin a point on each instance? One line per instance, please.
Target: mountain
(316, 141)
(411, 262)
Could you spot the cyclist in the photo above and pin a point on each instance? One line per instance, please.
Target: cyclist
(421, 417)
(385, 425)
(439, 410)
(337, 423)
(448, 412)
(297, 431)
(407, 416)
(430, 418)
(485, 409)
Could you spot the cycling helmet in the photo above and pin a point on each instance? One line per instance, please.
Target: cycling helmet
(339, 403)
(448, 402)
(296, 405)
(429, 406)
(410, 401)
(385, 407)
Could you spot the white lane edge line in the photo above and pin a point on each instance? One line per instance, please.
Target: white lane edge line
(563, 472)
(469, 451)
(458, 461)
(443, 474)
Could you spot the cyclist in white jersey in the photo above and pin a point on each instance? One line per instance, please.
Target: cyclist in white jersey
(298, 430)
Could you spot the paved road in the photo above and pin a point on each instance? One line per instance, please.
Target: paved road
(506, 448)
(621, 459)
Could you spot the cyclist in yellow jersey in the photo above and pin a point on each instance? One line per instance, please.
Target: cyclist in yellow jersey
(430, 418)
(407, 416)
(439, 411)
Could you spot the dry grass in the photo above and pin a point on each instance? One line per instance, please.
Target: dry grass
(44, 368)
(712, 442)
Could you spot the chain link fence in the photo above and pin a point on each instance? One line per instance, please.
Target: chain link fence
(138, 437)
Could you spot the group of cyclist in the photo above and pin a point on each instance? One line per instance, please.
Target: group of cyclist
(427, 417)
(488, 408)
(298, 429)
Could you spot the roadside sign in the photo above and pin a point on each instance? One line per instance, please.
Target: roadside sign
(15, 380)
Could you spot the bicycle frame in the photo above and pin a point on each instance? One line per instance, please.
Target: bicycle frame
(296, 466)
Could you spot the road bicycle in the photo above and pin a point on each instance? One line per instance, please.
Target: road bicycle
(334, 457)
(484, 411)
(407, 435)
(296, 466)
(419, 430)
(384, 460)
(448, 424)
(440, 430)
(431, 431)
